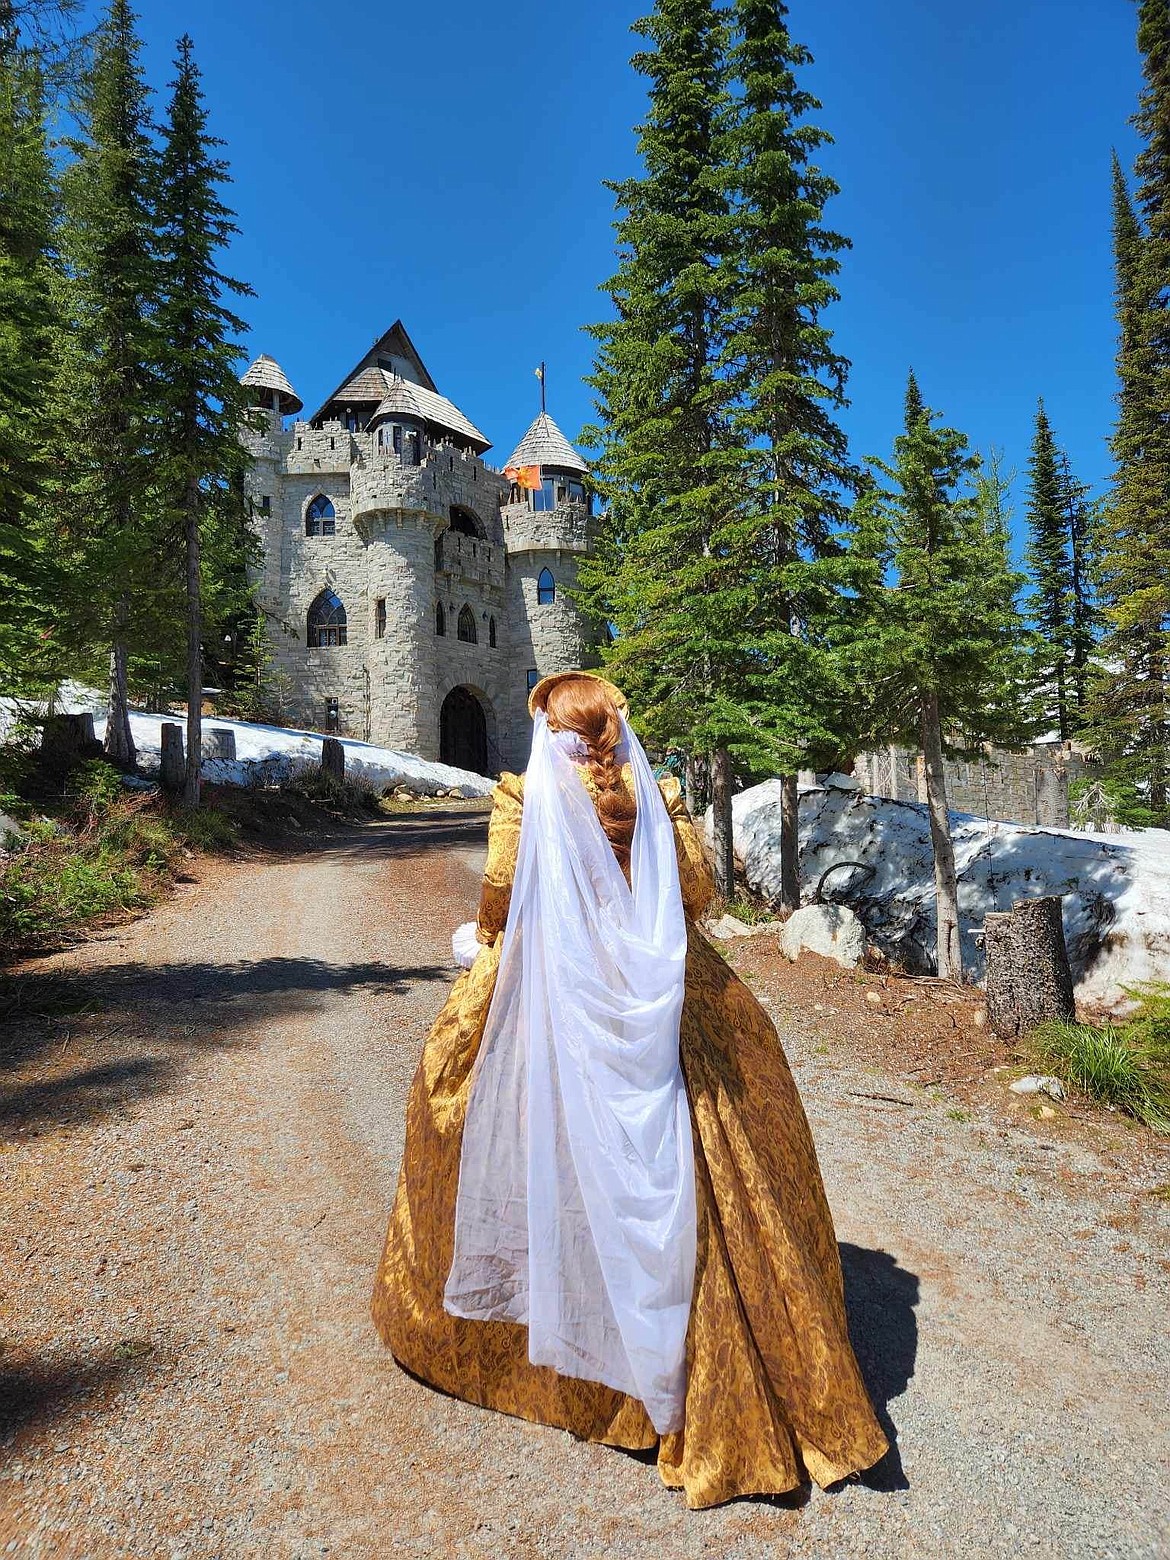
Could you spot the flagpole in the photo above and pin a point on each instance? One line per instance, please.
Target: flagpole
(542, 391)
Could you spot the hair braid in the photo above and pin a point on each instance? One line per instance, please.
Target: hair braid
(581, 704)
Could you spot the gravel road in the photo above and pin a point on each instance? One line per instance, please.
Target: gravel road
(200, 1124)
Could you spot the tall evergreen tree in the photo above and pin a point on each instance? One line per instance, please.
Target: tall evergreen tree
(663, 411)
(717, 387)
(789, 386)
(1129, 714)
(1050, 602)
(107, 375)
(28, 342)
(201, 402)
(937, 643)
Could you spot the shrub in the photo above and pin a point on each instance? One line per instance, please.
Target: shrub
(1126, 1065)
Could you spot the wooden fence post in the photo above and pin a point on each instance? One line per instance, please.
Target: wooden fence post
(333, 759)
(1028, 976)
(172, 764)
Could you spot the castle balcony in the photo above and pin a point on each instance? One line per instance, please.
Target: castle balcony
(567, 528)
(469, 559)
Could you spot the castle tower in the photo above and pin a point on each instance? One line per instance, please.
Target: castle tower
(273, 399)
(546, 530)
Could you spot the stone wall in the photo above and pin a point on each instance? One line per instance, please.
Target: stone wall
(1028, 787)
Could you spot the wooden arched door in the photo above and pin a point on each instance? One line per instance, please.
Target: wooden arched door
(463, 732)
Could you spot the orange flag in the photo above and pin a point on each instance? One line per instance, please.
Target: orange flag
(524, 476)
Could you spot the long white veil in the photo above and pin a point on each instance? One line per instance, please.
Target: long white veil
(576, 1205)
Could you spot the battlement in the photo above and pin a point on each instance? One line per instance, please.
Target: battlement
(567, 528)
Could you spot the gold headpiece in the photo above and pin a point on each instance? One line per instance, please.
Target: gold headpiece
(538, 698)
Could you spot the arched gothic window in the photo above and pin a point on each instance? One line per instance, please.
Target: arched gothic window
(465, 522)
(440, 618)
(546, 588)
(320, 519)
(465, 629)
(492, 632)
(327, 620)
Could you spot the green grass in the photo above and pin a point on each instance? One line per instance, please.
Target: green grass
(747, 910)
(93, 850)
(1126, 1065)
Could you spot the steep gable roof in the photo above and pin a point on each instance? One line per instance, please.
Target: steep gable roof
(406, 382)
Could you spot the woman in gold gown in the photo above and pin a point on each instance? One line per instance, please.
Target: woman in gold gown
(773, 1392)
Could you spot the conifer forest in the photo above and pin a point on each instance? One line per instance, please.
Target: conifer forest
(772, 600)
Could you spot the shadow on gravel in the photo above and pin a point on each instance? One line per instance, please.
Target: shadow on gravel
(415, 834)
(34, 1395)
(99, 1038)
(880, 1298)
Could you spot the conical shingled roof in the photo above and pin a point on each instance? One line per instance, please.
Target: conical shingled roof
(267, 374)
(545, 445)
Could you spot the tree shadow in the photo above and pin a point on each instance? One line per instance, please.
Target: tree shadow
(35, 1393)
(880, 1298)
(417, 834)
(101, 1037)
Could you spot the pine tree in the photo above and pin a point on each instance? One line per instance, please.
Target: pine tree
(717, 387)
(199, 393)
(1129, 715)
(789, 384)
(107, 373)
(28, 339)
(937, 644)
(663, 412)
(1050, 603)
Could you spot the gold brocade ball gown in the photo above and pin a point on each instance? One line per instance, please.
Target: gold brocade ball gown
(774, 1393)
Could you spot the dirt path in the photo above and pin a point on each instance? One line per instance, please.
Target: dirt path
(196, 1180)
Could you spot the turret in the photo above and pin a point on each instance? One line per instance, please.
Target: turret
(546, 527)
(270, 388)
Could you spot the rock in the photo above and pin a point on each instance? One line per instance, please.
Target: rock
(728, 926)
(979, 1018)
(1047, 1113)
(1034, 1084)
(11, 833)
(874, 997)
(840, 782)
(830, 930)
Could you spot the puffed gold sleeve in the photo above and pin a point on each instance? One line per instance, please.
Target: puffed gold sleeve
(500, 868)
(694, 875)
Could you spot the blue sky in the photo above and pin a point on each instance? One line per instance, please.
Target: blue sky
(445, 164)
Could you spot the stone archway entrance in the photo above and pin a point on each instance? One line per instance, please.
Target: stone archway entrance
(463, 738)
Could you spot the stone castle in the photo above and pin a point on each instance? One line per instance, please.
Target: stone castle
(413, 594)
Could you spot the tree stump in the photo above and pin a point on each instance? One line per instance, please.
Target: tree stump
(1028, 976)
(172, 763)
(333, 759)
(66, 739)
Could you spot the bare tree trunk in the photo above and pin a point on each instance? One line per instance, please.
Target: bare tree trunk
(946, 883)
(721, 790)
(789, 843)
(119, 740)
(193, 779)
(696, 801)
(1028, 975)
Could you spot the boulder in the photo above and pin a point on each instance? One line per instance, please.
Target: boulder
(728, 926)
(830, 930)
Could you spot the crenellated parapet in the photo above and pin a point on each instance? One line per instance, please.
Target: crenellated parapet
(567, 528)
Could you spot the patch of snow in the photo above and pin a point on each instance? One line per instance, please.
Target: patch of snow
(1116, 888)
(265, 755)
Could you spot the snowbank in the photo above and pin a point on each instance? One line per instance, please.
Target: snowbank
(1116, 888)
(268, 754)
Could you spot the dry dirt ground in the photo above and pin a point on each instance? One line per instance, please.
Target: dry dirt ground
(200, 1123)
